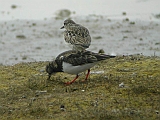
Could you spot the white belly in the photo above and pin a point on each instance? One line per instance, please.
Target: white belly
(68, 68)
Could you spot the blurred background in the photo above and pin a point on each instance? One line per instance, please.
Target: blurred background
(41, 9)
(30, 29)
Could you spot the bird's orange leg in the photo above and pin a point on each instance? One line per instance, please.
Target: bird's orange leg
(87, 74)
(68, 83)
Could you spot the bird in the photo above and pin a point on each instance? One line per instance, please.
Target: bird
(77, 35)
(75, 62)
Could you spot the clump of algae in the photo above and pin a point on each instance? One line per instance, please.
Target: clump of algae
(25, 92)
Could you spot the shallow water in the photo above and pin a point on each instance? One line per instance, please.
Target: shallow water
(25, 41)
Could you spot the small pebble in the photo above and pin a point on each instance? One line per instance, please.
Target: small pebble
(62, 107)
(121, 85)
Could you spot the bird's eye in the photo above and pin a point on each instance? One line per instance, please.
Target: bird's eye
(64, 23)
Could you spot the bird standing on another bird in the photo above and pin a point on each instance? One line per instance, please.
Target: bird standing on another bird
(77, 35)
(75, 62)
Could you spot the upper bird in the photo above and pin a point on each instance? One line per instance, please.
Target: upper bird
(75, 62)
(77, 35)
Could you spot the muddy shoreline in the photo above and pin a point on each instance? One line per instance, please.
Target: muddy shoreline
(42, 40)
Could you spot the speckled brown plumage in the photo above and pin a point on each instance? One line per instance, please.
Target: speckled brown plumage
(77, 35)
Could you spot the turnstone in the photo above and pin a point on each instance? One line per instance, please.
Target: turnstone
(75, 62)
(77, 35)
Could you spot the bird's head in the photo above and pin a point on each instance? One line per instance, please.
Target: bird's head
(68, 23)
(51, 68)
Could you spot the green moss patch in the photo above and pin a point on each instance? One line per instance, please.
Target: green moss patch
(25, 92)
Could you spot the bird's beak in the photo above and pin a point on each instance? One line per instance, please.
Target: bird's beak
(62, 27)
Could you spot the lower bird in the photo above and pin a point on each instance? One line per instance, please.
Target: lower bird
(75, 62)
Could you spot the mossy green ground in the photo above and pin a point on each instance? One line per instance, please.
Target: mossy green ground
(26, 94)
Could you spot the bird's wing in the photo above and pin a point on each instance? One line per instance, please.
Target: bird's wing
(80, 58)
(66, 53)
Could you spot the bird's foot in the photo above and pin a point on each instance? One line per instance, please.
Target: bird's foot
(68, 83)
